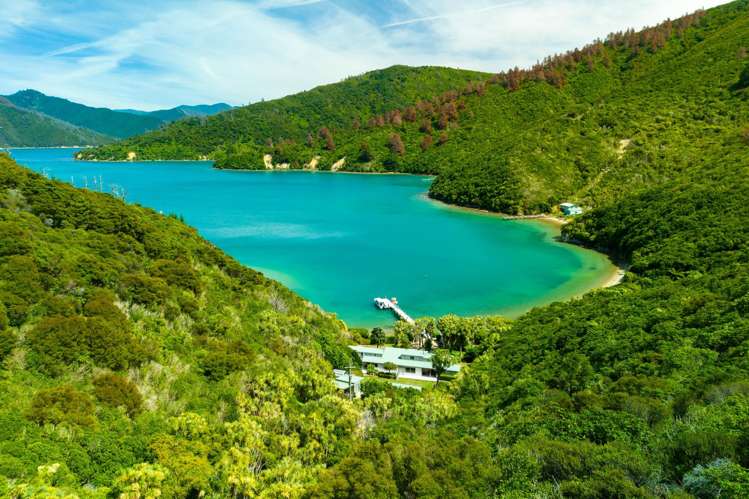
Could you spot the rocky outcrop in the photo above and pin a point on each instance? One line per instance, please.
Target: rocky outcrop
(338, 165)
(268, 161)
(312, 165)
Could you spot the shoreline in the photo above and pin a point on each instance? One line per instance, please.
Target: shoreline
(609, 280)
(544, 217)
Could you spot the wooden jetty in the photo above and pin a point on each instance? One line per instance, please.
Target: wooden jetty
(392, 304)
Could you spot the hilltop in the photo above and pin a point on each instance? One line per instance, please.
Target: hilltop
(584, 126)
(180, 112)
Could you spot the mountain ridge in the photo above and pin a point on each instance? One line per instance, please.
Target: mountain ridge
(78, 124)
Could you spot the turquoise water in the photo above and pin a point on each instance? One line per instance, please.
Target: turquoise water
(339, 240)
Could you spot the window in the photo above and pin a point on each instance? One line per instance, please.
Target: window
(411, 370)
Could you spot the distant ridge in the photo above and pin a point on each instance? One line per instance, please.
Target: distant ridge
(180, 112)
(54, 121)
(25, 128)
(101, 120)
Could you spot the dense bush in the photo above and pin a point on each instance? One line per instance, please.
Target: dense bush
(59, 341)
(116, 391)
(62, 405)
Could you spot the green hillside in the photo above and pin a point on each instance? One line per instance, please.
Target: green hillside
(125, 338)
(586, 126)
(101, 120)
(23, 128)
(290, 120)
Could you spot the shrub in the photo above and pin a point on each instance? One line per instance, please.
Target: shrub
(59, 341)
(177, 273)
(101, 304)
(144, 290)
(14, 240)
(117, 391)
(744, 78)
(63, 404)
(720, 478)
(7, 343)
(223, 359)
(4, 323)
(16, 308)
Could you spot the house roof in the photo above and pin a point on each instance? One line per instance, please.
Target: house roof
(342, 379)
(402, 357)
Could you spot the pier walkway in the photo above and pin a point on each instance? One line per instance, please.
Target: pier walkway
(387, 304)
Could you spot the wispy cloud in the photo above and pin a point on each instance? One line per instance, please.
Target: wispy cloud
(150, 55)
(286, 4)
(453, 14)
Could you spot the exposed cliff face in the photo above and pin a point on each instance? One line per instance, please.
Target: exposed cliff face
(338, 165)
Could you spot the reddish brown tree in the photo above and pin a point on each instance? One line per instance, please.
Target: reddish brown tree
(443, 138)
(426, 142)
(426, 126)
(443, 122)
(395, 118)
(396, 144)
(328, 138)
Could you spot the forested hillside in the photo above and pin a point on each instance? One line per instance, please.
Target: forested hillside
(24, 128)
(586, 126)
(293, 122)
(126, 339)
(101, 120)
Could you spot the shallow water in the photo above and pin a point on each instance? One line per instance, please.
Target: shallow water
(339, 240)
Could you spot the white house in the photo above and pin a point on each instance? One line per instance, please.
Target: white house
(571, 209)
(411, 363)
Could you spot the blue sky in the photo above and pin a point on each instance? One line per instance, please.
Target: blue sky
(151, 54)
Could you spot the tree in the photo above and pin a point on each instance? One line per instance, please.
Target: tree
(426, 126)
(117, 391)
(328, 138)
(365, 155)
(744, 78)
(371, 368)
(391, 368)
(396, 144)
(395, 118)
(377, 336)
(403, 333)
(443, 138)
(442, 359)
(142, 481)
(426, 142)
(310, 140)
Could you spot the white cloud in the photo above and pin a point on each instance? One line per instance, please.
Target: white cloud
(154, 56)
(17, 13)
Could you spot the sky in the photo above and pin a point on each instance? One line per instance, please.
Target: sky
(155, 54)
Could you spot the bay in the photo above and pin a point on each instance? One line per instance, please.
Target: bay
(340, 240)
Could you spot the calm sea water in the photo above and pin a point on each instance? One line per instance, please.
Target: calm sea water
(340, 240)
